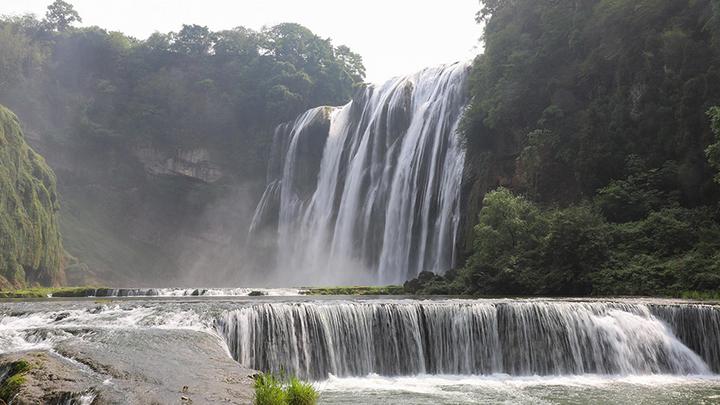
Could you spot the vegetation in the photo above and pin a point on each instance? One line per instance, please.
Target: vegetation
(713, 151)
(114, 112)
(30, 246)
(591, 116)
(44, 292)
(269, 390)
(356, 290)
(301, 393)
(521, 248)
(14, 378)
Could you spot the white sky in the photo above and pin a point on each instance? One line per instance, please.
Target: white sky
(394, 37)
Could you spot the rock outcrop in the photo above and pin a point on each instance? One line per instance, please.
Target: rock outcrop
(30, 245)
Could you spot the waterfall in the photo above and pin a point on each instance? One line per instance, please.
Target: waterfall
(369, 192)
(314, 340)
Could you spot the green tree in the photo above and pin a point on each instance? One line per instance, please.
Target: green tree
(193, 40)
(352, 62)
(61, 15)
(576, 246)
(507, 239)
(713, 151)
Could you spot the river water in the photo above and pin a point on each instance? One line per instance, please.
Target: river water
(405, 351)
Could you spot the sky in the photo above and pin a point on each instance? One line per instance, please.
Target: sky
(394, 37)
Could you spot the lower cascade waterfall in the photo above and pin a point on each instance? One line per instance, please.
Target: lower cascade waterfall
(374, 184)
(396, 338)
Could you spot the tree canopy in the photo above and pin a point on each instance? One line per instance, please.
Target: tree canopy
(592, 115)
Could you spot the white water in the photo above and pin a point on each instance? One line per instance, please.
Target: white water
(43, 329)
(521, 338)
(505, 389)
(386, 192)
(377, 351)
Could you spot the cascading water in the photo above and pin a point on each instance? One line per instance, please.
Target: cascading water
(314, 340)
(373, 351)
(370, 192)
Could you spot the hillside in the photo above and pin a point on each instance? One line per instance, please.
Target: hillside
(586, 147)
(29, 238)
(160, 145)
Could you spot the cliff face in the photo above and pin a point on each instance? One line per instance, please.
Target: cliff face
(30, 246)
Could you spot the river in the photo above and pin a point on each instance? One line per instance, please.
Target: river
(380, 350)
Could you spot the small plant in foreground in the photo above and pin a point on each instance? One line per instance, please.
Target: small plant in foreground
(269, 390)
(301, 393)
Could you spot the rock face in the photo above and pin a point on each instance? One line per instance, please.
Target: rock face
(193, 163)
(111, 368)
(39, 377)
(29, 237)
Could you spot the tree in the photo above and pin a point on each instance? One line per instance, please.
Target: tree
(61, 15)
(193, 40)
(352, 62)
(713, 151)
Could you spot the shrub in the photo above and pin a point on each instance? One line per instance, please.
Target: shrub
(270, 390)
(301, 393)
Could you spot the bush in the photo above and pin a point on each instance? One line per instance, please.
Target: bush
(269, 390)
(301, 393)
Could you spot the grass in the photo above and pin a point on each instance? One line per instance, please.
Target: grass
(356, 290)
(700, 295)
(270, 390)
(301, 393)
(43, 292)
(16, 378)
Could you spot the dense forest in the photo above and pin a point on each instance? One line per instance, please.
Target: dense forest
(594, 118)
(160, 144)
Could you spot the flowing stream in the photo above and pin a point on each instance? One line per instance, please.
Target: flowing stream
(406, 351)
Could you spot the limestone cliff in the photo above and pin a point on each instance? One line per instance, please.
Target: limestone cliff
(30, 245)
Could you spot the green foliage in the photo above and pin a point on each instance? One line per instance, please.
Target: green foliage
(713, 151)
(574, 90)
(642, 191)
(30, 246)
(44, 292)
(522, 248)
(269, 390)
(15, 378)
(594, 111)
(356, 290)
(61, 15)
(301, 393)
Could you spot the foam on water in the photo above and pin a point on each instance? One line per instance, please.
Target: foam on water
(431, 384)
(506, 389)
(41, 330)
(400, 338)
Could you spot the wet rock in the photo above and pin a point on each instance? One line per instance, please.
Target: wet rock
(61, 316)
(150, 366)
(38, 381)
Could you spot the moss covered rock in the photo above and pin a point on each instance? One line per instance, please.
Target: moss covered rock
(30, 246)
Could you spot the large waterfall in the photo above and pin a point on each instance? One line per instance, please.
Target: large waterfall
(369, 192)
(314, 340)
